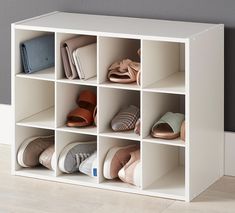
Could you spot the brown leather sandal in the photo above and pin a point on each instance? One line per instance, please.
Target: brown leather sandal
(83, 115)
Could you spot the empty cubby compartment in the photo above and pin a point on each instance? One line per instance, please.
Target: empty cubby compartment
(34, 103)
(163, 66)
(163, 170)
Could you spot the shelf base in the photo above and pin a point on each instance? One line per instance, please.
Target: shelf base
(171, 185)
(90, 82)
(90, 130)
(173, 142)
(128, 135)
(43, 119)
(174, 84)
(37, 172)
(132, 86)
(47, 75)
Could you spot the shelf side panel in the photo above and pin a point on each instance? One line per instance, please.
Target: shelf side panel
(204, 110)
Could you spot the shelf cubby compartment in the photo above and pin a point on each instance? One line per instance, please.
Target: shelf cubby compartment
(105, 144)
(111, 101)
(154, 106)
(163, 170)
(112, 50)
(64, 139)
(34, 103)
(60, 74)
(67, 95)
(163, 66)
(21, 134)
(22, 35)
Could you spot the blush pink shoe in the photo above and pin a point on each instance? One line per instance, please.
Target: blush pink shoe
(116, 158)
(130, 173)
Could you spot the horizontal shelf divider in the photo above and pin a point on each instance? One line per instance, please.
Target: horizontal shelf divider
(172, 142)
(85, 130)
(171, 185)
(128, 135)
(173, 84)
(89, 82)
(44, 119)
(120, 86)
(46, 75)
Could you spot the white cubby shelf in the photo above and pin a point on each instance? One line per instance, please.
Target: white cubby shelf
(182, 70)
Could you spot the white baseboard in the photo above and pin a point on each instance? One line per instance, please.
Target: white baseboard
(6, 124)
(229, 153)
(6, 129)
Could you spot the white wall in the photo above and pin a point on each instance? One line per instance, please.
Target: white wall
(229, 153)
(6, 124)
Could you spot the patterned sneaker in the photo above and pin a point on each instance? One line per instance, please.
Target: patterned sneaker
(116, 158)
(130, 173)
(74, 154)
(31, 149)
(89, 166)
(48, 158)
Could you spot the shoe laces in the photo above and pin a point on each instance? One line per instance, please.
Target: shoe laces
(81, 157)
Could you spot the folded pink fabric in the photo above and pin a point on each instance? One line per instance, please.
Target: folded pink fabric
(67, 48)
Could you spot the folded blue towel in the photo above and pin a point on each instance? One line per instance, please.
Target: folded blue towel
(38, 53)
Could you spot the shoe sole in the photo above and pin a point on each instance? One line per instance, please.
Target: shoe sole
(108, 160)
(64, 153)
(23, 146)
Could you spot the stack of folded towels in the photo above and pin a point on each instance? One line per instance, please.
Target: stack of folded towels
(79, 57)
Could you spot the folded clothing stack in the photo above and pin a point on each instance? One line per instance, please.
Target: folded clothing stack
(79, 57)
(38, 53)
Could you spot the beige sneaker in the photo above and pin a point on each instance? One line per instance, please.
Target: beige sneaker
(47, 158)
(116, 158)
(31, 149)
(130, 173)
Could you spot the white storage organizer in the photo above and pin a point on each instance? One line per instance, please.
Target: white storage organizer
(182, 70)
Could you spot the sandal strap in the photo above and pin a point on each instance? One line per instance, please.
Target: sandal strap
(82, 113)
(87, 96)
(174, 120)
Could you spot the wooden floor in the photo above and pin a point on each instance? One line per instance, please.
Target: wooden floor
(25, 195)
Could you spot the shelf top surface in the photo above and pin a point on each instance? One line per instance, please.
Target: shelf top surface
(111, 25)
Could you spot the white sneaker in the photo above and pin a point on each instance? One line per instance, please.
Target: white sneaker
(89, 166)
